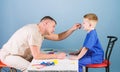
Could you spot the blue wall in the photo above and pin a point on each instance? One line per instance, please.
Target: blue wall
(17, 13)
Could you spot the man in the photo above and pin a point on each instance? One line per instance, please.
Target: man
(26, 43)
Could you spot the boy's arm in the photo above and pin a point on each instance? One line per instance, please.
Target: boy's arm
(81, 54)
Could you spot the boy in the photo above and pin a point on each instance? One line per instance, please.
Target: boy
(91, 51)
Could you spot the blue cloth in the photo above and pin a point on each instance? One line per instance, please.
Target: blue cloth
(95, 53)
(83, 62)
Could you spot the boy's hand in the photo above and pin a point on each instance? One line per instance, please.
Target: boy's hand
(74, 53)
(73, 58)
(61, 56)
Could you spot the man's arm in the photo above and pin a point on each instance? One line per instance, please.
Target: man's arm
(39, 55)
(63, 35)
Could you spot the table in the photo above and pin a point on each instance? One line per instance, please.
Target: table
(63, 65)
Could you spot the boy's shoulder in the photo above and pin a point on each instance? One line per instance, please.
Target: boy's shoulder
(92, 31)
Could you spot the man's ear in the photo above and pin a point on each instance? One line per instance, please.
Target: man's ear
(45, 23)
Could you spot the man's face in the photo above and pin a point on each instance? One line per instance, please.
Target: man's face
(50, 27)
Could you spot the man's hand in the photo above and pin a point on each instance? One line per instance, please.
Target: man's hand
(76, 26)
(61, 56)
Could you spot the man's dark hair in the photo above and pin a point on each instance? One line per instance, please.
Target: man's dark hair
(48, 17)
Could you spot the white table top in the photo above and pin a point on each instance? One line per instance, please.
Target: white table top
(64, 65)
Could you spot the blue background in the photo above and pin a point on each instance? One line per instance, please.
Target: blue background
(17, 13)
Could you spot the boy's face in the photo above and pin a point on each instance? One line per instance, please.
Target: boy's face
(86, 24)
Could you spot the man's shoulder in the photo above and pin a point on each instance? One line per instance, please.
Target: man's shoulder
(30, 25)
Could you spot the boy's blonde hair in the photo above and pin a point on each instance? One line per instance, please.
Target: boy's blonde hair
(93, 19)
(91, 16)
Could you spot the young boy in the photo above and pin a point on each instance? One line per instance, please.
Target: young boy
(91, 51)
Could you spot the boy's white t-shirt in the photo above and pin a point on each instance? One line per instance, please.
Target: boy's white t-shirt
(19, 44)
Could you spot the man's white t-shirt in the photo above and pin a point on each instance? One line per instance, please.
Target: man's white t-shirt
(19, 44)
